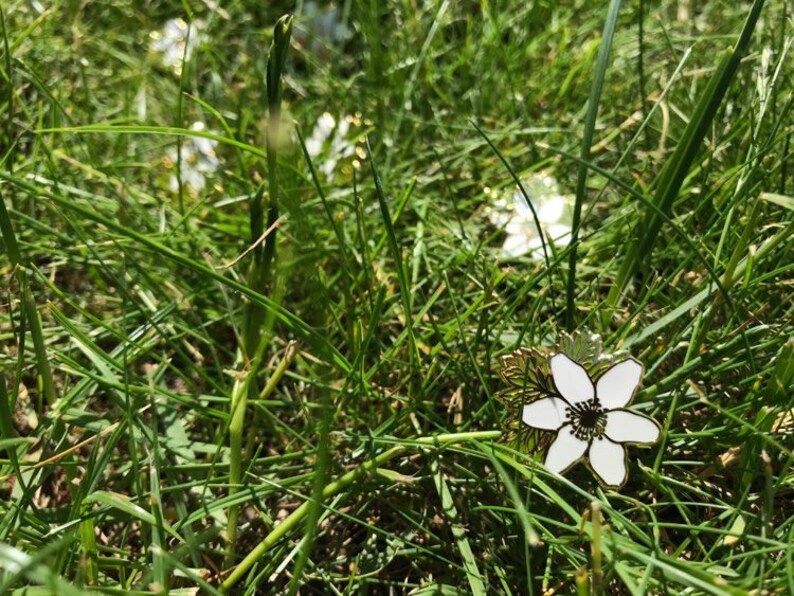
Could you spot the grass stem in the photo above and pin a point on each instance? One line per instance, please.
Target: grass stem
(46, 380)
(335, 487)
(587, 141)
(260, 277)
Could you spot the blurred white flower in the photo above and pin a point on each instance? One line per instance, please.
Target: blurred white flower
(328, 143)
(197, 160)
(176, 41)
(320, 29)
(320, 133)
(513, 215)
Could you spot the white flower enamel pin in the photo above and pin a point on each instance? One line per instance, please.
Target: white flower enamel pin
(582, 396)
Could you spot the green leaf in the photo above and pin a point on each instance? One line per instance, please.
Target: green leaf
(17, 564)
(124, 504)
(781, 200)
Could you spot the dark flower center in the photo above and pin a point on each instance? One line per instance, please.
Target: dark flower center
(588, 419)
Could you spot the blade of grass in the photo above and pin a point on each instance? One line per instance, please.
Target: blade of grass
(294, 323)
(122, 503)
(595, 548)
(402, 277)
(678, 165)
(7, 75)
(261, 272)
(410, 86)
(260, 276)
(160, 570)
(523, 192)
(29, 305)
(9, 442)
(19, 564)
(335, 487)
(318, 485)
(473, 575)
(153, 130)
(530, 535)
(326, 207)
(90, 555)
(587, 141)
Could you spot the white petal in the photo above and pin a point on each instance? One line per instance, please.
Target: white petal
(546, 414)
(193, 178)
(328, 166)
(173, 56)
(209, 163)
(314, 146)
(571, 380)
(627, 427)
(616, 387)
(519, 227)
(551, 210)
(205, 146)
(515, 245)
(521, 206)
(608, 461)
(565, 450)
(535, 244)
(325, 123)
(560, 234)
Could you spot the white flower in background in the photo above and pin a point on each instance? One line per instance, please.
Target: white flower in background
(197, 160)
(176, 41)
(328, 143)
(514, 216)
(591, 419)
(320, 29)
(320, 133)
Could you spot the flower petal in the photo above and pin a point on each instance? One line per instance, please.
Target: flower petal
(565, 450)
(516, 245)
(560, 234)
(628, 427)
(518, 227)
(608, 461)
(552, 209)
(546, 414)
(616, 387)
(521, 207)
(571, 380)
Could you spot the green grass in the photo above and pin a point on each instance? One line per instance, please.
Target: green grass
(319, 414)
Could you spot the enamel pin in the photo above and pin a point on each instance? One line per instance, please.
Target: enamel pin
(573, 403)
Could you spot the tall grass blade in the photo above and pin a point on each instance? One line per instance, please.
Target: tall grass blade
(402, 277)
(46, 380)
(587, 141)
(261, 272)
(260, 277)
(677, 167)
(318, 486)
(473, 574)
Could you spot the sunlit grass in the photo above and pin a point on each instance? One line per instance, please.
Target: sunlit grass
(362, 334)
